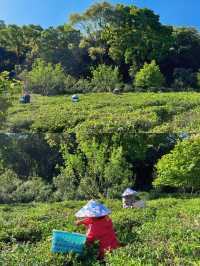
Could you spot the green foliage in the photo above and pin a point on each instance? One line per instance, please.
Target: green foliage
(67, 53)
(9, 182)
(33, 189)
(29, 155)
(180, 168)
(149, 76)
(166, 232)
(135, 35)
(46, 78)
(13, 189)
(127, 117)
(94, 170)
(13, 39)
(123, 37)
(8, 88)
(198, 79)
(184, 79)
(82, 86)
(105, 78)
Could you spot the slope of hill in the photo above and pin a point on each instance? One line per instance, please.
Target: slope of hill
(139, 112)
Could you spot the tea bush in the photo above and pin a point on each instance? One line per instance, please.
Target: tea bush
(175, 112)
(164, 233)
(180, 168)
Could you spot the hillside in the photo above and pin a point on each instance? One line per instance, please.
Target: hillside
(104, 112)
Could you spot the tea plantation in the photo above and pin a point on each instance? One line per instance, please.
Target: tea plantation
(143, 112)
(164, 233)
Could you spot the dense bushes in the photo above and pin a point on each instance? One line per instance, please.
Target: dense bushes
(93, 170)
(13, 189)
(93, 133)
(149, 76)
(45, 78)
(180, 168)
(108, 141)
(105, 78)
(8, 88)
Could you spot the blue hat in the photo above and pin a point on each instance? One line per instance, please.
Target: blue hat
(129, 192)
(93, 209)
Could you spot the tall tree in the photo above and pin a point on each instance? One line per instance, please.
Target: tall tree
(135, 35)
(12, 38)
(61, 45)
(184, 52)
(91, 23)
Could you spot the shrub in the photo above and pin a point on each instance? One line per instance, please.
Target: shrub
(33, 190)
(95, 171)
(46, 78)
(128, 88)
(69, 84)
(82, 86)
(180, 168)
(8, 88)
(12, 189)
(149, 76)
(105, 78)
(9, 182)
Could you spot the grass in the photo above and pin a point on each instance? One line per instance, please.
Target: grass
(164, 233)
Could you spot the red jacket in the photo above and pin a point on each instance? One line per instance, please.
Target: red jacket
(101, 229)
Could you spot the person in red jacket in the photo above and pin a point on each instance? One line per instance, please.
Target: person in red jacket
(99, 227)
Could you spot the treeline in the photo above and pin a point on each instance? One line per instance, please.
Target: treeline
(106, 47)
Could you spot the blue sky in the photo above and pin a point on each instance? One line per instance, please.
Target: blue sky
(55, 12)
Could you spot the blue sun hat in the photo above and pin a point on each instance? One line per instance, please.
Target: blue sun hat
(75, 98)
(129, 192)
(93, 209)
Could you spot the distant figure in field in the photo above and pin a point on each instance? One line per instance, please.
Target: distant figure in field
(116, 91)
(75, 98)
(26, 98)
(130, 199)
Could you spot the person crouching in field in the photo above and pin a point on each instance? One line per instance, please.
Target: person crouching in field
(131, 200)
(99, 226)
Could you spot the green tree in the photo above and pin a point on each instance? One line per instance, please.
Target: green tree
(3, 101)
(136, 36)
(61, 45)
(180, 168)
(105, 78)
(29, 155)
(184, 52)
(184, 79)
(92, 170)
(12, 38)
(149, 76)
(45, 78)
(91, 23)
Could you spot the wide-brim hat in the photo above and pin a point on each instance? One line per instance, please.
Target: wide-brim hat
(93, 209)
(129, 192)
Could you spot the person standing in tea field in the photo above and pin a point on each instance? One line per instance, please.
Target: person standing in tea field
(130, 199)
(99, 226)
